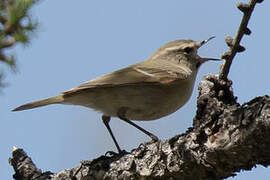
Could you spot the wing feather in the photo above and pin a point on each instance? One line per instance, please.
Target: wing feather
(142, 73)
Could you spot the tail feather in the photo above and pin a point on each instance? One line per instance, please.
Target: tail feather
(44, 102)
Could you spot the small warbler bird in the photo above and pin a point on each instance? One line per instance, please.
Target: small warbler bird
(145, 91)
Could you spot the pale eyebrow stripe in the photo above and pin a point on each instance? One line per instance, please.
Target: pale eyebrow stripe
(165, 51)
(172, 48)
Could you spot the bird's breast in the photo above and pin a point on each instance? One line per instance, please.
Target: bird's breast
(157, 102)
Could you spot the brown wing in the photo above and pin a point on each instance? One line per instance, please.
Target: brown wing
(142, 73)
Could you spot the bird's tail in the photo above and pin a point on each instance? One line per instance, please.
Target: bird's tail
(44, 102)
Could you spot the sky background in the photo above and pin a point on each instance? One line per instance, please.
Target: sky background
(78, 41)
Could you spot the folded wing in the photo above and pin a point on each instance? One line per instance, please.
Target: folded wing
(142, 73)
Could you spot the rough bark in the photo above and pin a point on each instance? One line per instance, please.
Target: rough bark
(226, 137)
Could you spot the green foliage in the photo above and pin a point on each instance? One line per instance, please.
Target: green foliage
(16, 26)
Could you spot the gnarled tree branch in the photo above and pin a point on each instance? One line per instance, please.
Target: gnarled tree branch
(226, 138)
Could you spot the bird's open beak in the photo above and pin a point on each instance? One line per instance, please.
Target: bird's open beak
(199, 44)
(205, 41)
(202, 60)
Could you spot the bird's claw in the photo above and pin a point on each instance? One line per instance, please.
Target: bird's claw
(112, 153)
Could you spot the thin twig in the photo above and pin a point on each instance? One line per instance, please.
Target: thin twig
(235, 46)
(2, 57)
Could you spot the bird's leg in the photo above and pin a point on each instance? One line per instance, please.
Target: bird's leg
(121, 115)
(106, 121)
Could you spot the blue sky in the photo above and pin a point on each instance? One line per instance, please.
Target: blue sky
(79, 41)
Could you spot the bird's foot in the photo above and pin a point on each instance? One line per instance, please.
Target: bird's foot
(113, 154)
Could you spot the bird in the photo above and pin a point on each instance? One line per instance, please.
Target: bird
(145, 91)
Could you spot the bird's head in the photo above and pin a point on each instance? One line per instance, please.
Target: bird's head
(183, 52)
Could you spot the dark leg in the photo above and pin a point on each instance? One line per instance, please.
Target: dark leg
(152, 136)
(106, 120)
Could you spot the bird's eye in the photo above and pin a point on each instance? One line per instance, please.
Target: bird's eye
(188, 49)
